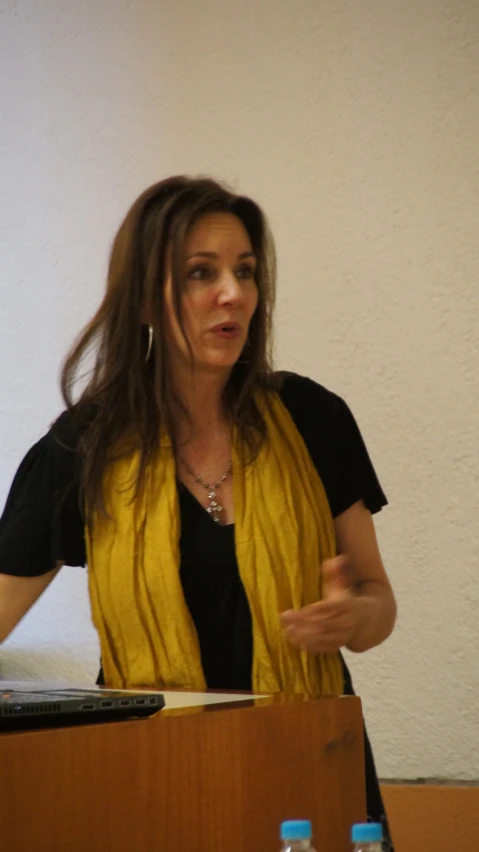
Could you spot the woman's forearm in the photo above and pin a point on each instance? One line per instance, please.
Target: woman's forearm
(377, 616)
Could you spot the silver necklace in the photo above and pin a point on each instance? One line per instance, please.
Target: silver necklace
(215, 508)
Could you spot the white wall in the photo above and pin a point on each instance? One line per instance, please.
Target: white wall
(356, 125)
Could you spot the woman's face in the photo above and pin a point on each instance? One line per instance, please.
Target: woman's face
(219, 298)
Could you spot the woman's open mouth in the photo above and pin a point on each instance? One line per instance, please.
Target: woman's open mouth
(227, 330)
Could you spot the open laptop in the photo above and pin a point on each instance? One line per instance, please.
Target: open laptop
(29, 708)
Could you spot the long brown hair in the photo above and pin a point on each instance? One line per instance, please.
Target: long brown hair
(127, 400)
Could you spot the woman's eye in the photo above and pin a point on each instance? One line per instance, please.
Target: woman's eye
(208, 273)
(246, 272)
(199, 273)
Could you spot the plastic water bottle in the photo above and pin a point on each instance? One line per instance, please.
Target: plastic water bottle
(367, 837)
(296, 835)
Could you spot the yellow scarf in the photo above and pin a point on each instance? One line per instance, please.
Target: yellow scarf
(283, 533)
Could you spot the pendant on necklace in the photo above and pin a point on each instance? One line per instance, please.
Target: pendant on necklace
(214, 508)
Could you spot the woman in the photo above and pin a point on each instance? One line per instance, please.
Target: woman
(224, 511)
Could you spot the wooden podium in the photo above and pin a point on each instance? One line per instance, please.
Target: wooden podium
(215, 778)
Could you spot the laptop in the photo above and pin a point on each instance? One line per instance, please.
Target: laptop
(26, 709)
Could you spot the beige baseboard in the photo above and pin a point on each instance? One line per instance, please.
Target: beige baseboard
(429, 818)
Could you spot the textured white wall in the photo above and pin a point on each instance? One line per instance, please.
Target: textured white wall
(357, 126)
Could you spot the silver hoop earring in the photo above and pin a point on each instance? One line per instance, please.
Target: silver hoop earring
(150, 342)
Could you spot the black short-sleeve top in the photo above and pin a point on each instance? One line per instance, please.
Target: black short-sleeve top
(42, 522)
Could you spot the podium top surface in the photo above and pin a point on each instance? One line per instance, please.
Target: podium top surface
(180, 701)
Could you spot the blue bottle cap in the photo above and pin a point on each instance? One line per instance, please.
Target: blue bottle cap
(367, 832)
(296, 829)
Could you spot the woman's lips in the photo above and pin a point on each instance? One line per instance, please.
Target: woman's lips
(227, 330)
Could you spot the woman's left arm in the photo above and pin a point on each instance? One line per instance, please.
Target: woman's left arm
(358, 609)
(366, 578)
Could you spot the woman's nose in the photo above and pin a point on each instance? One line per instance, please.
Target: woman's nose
(230, 287)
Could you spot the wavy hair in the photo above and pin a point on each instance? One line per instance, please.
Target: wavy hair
(127, 401)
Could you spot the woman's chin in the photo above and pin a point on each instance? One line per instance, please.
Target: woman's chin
(221, 357)
(219, 363)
